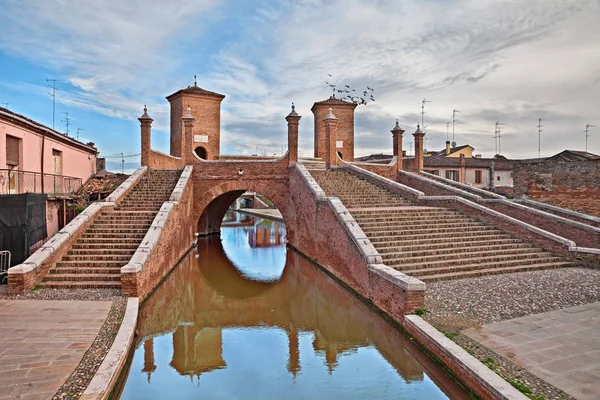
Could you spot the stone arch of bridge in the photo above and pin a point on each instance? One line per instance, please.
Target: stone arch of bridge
(210, 207)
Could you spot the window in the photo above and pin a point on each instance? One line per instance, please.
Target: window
(452, 174)
(498, 178)
(200, 152)
(435, 172)
(477, 176)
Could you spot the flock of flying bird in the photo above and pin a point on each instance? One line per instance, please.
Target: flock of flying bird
(351, 94)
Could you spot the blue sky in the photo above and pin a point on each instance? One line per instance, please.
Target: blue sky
(508, 61)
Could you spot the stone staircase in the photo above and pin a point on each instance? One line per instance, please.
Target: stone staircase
(313, 163)
(96, 258)
(430, 243)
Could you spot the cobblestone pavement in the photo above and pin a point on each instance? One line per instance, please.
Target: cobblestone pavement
(469, 303)
(42, 342)
(67, 294)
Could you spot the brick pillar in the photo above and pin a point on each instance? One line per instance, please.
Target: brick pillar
(187, 142)
(397, 136)
(463, 169)
(419, 135)
(293, 120)
(331, 124)
(146, 128)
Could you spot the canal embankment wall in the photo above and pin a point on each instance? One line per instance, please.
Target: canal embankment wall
(325, 232)
(168, 239)
(25, 276)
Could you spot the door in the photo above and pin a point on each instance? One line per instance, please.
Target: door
(56, 170)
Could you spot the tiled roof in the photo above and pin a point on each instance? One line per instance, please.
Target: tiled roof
(198, 90)
(332, 101)
(574, 155)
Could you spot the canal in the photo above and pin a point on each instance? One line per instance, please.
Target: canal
(242, 317)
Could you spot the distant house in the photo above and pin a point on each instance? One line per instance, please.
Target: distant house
(454, 152)
(35, 159)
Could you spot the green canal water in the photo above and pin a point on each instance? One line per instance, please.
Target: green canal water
(242, 317)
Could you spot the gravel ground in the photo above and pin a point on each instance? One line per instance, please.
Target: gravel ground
(465, 303)
(68, 294)
(76, 384)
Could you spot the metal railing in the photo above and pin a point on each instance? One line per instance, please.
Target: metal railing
(4, 265)
(18, 182)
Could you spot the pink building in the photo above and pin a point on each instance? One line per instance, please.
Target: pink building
(37, 159)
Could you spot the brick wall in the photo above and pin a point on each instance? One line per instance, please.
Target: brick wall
(163, 161)
(175, 240)
(569, 184)
(385, 170)
(320, 235)
(345, 130)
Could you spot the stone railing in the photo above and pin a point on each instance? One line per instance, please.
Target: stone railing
(24, 277)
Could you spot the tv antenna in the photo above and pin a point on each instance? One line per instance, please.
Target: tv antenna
(67, 121)
(423, 113)
(79, 130)
(497, 136)
(540, 136)
(122, 163)
(447, 127)
(587, 133)
(53, 98)
(453, 122)
(5, 105)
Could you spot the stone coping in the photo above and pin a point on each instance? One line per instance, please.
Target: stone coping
(273, 160)
(392, 163)
(107, 374)
(437, 342)
(314, 187)
(565, 242)
(558, 209)
(386, 181)
(62, 236)
(450, 182)
(141, 255)
(545, 214)
(589, 250)
(441, 185)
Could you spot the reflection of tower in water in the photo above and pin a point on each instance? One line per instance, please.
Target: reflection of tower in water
(197, 350)
(267, 235)
(149, 366)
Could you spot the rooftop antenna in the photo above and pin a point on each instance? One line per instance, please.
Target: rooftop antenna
(423, 113)
(587, 133)
(67, 121)
(540, 136)
(5, 105)
(453, 122)
(79, 130)
(195, 81)
(53, 98)
(122, 164)
(497, 136)
(447, 135)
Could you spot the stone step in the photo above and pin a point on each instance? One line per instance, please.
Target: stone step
(508, 259)
(444, 242)
(98, 257)
(375, 227)
(431, 236)
(394, 253)
(97, 270)
(444, 276)
(387, 231)
(90, 264)
(432, 247)
(115, 237)
(124, 229)
(102, 241)
(99, 251)
(83, 277)
(81, 285)
(454, 257)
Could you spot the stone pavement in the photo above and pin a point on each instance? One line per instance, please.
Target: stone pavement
(42, 341)
(562, 347)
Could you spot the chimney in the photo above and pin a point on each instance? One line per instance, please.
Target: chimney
(146, 127)
(447, 147)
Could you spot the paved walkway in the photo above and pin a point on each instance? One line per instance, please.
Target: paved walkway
(562, 347)
(42, 341)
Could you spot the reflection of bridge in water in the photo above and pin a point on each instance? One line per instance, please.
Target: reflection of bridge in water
(267, 234)
(206, 295)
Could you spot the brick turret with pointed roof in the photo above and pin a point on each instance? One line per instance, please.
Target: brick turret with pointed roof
(344, 111)
(205, 106)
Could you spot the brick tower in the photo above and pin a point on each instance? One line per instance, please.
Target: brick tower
(206, 109)
(344, 111)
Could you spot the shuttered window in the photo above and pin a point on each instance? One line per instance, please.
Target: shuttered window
(12, 150)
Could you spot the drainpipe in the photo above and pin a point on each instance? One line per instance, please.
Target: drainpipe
(42, 159)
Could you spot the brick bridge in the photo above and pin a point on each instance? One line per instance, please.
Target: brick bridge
(382, 231)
